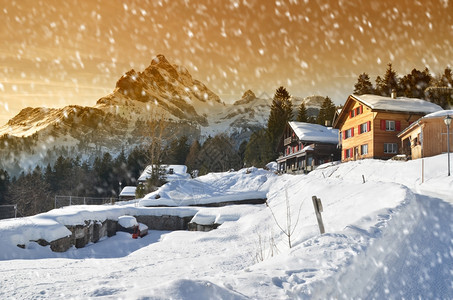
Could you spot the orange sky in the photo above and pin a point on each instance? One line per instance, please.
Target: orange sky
(55, 53)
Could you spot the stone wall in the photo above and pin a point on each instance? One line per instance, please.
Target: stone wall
(165, 222)
(81, 235)
(93, 231)
(198, 227)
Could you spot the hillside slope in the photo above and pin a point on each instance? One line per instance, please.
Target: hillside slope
(382, 240)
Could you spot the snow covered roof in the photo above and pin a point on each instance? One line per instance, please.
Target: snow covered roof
(179, 172)
(128, 191)
(441, 113)
(438, 114)
(401, 104)
(314, 132)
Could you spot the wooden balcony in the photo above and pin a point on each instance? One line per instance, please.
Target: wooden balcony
(289, 140)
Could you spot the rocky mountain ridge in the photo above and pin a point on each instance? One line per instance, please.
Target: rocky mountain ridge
(118, 120)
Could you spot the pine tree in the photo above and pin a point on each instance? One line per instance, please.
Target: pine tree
(363, 85)
(218, 155)
(136, 163)
(447, 78)
(177, 151)
(281, 113)
(259, 150)
(414, 84)
(31, 193)
(4, 185)
(191, 159)
(379, 86)
(302, 113)
(441, 90)
(389, 82)
(326, 112)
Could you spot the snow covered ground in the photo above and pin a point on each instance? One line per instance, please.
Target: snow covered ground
(388, 237)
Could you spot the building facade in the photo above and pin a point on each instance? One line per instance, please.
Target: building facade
(427, 137)
(369, 124)
(305, 146)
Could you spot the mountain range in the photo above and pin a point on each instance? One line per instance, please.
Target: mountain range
(118, 120)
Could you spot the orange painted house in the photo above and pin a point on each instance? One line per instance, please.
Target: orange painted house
(369, 124)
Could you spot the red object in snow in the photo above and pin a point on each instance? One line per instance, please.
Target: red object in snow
(136, 233)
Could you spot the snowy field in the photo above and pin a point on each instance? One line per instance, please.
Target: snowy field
(388, 236)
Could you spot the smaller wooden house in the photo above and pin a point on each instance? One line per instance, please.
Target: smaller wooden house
(427, 136)
(305, 146)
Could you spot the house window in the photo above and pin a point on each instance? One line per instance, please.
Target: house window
(356, 111)
(390, 148)
(359, 110)
(389, 125)
(348, 153)
(348, 133)
(364, 149)
(365, 127)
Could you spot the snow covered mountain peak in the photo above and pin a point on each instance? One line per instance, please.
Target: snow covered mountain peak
(177, 95)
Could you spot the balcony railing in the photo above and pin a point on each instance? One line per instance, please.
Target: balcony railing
(289, 140)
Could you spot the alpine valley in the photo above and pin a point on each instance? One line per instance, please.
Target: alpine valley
(119, 120)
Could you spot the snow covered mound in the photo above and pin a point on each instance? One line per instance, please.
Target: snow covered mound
(127, 221)
(245, 184)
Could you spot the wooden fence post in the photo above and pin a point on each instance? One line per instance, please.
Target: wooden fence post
(318, 209)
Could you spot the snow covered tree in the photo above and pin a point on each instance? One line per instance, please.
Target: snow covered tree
(363, 85)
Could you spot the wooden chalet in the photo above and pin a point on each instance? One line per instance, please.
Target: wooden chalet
(305, 146)
(369, 124)
(427, 136)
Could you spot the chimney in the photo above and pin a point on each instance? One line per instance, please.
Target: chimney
(393, 94)
(327, 123)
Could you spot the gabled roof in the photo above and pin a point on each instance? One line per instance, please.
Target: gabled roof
(179, 172)
(388, 104)
(314, 133)
(399, 104)
(128, 191)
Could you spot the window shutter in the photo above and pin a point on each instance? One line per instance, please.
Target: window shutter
(398, 125)
(345, 153)
(359, 130)
(352, 131)
(350, 114)
(382, 124)
(344, 135)
(368, 126)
